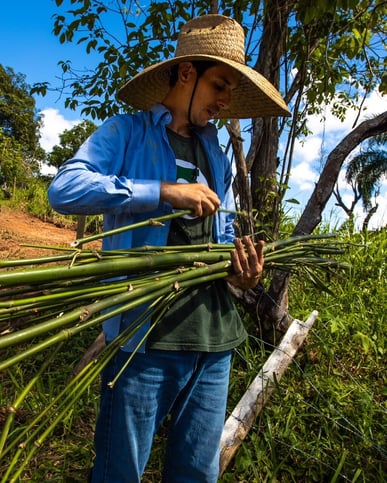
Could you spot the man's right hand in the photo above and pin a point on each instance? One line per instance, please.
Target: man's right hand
(190, 196)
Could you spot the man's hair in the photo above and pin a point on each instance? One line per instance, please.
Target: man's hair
(200, 65)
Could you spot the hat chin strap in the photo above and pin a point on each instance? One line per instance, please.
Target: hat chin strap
(191, 124)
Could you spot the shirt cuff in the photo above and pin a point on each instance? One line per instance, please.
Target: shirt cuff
(145, 195)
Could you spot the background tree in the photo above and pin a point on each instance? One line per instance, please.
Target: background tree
(364, 174)
(318, 54)
(20, 152)
(69, 142)
(273, 312)
(11, 164)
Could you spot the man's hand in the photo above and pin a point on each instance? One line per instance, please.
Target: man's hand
(190, 196)
(247, 261)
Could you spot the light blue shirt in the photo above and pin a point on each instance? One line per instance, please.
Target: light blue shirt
(118, 172)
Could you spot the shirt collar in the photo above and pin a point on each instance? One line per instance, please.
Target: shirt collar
(161, 114)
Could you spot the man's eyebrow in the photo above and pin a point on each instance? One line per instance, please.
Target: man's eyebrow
(226, 80)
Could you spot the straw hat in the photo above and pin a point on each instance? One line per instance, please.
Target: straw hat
(211, 38)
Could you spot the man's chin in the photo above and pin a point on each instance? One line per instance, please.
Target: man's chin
(202, 123)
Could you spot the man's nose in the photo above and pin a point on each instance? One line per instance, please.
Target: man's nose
(224, 100)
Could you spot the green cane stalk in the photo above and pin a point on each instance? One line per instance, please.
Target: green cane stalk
(125, 301)
(157, 222)
(70, 394)
(78, 283)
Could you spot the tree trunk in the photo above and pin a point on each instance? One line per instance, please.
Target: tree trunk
(272, 308)
(264, 177)
(92, 353)
(312, 214)
(241, 187)
(367, 219)
(265, 163)
(81, 226)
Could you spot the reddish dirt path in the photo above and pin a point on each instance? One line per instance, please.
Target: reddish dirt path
(18, 228)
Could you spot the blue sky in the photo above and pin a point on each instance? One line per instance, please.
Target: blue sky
(29, 47)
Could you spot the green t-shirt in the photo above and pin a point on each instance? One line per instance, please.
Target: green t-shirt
(203, 318)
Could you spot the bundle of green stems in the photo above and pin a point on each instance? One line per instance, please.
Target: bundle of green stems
(48, 300)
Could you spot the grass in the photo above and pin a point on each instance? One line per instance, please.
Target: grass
(326, 421)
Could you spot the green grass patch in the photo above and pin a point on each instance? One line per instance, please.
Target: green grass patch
(326, 420)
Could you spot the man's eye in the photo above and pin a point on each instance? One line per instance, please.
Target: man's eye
(219, 87)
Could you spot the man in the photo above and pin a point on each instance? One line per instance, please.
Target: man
(135, 167)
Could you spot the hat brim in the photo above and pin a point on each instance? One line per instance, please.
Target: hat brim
(255, 96)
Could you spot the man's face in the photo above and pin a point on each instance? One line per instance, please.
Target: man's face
(213, 93)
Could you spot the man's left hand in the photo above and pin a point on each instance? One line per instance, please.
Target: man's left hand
(247, 261)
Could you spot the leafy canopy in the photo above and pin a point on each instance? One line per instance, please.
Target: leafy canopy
(337, 46)
(20, 151)
(18, 116)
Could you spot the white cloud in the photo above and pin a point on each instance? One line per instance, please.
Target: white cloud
(374, 105)
(328, 132)
(336, 129)
(53, 125)
(47, 170)
(308, 150)
(303, 176)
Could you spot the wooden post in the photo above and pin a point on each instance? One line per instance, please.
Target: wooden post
(92, 352)
(81, 226)
(252, 402)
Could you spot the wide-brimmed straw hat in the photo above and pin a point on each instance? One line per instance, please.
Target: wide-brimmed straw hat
(209, 38)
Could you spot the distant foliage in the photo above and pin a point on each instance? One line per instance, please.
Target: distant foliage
(18, 117)
(20, 151)
(69, 142)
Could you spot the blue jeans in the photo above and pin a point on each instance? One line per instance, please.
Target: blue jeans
(191, 386)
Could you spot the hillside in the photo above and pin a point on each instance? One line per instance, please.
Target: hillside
(18, 228)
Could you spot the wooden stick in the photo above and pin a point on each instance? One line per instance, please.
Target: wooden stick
(252, 402)
(92, 352)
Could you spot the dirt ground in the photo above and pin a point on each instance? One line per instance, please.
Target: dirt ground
(18, 228)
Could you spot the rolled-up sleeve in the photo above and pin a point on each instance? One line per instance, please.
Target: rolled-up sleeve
(75, 190)
(98, 179)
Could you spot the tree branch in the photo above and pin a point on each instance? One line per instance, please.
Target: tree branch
(312, 214)
(252, 402)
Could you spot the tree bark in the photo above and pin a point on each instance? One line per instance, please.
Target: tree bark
(92, 352)
(241, 187)
(369, 216)
(81, 226)
(252, 402)
(266, 131)
(273, 309)
(312, 214)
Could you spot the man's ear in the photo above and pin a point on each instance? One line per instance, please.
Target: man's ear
(186, 71)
